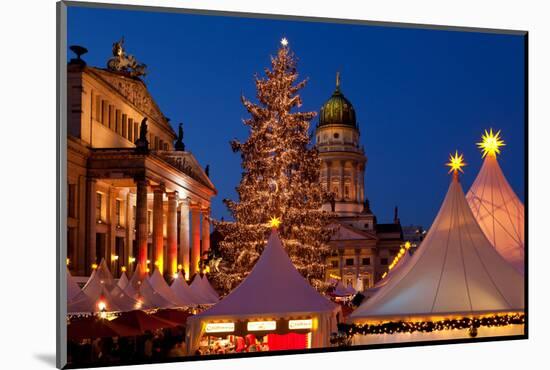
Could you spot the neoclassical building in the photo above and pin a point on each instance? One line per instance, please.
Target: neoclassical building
(134, 197)
(362, 249)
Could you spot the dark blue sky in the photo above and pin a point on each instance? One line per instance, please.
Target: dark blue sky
(418, 94)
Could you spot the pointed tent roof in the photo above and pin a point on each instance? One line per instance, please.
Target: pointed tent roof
(274, 287)
(499, 212)
(153, 299)
(85, 303)
(341, 291)
(455, 271)
(209, 289)
(201, 292)
(123, 281)
(72, 287)
(184, 293)
(160, 286)
(100, 277)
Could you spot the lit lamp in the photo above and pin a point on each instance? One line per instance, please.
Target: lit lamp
(102, 309)
(132, 259)
(94, 266)
(68, 261)
(123, 269)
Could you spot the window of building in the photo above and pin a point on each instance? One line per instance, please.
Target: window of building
(165, 146)
(117, 212)
(98, 206)
(365, 261)
(156, 142)
(383, 261)
(111, 122)
(149, 223)
(71, 201)
(104, 112)
(136, 130)
(161, 144)
(349, 282)
(130, 130)
(367, 226)
(98, 108)
(134, 210)
(336, 135)
(334, 264)
(346, 191)
(125, 126)
(349, 261)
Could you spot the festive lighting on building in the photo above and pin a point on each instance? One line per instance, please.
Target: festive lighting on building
(132, 259)
(274, 222)
(456, 162)
(261, 325)
(115, 257)
(180, 267)
(94, 266)
(123, 269)
(220, 327)
(490, 143)
(101, 305)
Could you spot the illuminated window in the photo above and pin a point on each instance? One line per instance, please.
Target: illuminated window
(117, 212)
(98, 206)
(71, 209)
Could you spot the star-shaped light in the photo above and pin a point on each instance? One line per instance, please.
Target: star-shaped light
(490, 143)
(274, 222)
(284, 42)
(456, 162)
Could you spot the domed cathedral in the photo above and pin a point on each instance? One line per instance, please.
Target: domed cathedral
(362, 249)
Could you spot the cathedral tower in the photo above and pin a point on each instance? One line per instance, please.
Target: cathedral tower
(343, 159)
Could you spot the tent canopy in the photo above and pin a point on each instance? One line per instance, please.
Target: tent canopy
(499, 212)
(274, 286)
(184, 293)
(204, 292)
(456, 270)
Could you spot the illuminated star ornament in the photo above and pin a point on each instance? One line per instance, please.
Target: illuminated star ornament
(490, 143)
(274, 222)
(456, 162)
(284, 42)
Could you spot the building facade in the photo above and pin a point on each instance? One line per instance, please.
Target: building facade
(362, 249)
(134, 197)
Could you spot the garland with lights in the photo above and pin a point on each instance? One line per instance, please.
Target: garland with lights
(397, 327)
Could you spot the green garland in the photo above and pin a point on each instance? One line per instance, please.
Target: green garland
(431, 326)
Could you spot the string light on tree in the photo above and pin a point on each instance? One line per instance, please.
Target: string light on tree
(490, 143)
(281, 171)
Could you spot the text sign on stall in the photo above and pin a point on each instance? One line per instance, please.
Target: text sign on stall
(220, 327)
(300, 324)
(261, 325)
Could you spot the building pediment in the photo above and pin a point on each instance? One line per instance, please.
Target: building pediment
(134, 91)
(347, 232)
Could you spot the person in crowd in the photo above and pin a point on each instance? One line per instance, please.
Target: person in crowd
(148, 346)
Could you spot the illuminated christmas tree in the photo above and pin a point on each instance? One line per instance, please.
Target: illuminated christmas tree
(280, 179)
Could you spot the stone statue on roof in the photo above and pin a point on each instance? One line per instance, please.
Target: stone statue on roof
(122, 62)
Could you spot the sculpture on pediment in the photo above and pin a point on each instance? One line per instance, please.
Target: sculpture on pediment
(179, 145)
(122, 62)
(142, 144)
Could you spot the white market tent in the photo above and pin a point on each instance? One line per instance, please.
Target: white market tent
(72, 287)
(499, 212)
(456, 271)
(123, 281)
(341, 291)
(160, 286)
(390, 275)
(273, 289)
(100, 278)
(203, 291)
(184, 293)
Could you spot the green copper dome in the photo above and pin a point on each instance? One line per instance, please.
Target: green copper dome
(337, 110)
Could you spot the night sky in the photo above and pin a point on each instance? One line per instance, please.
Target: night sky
(418, 94)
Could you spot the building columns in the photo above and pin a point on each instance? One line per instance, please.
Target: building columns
(158, 221)
(342, 181)
(205, 231)
(128, 251)
(92, 221)
(195, 240)
(141, 225)
(341, 263)
(184, 237)
(172, 232)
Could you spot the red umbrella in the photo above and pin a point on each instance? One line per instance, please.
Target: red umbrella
(89, 328)
(139, 320)
(176, 316)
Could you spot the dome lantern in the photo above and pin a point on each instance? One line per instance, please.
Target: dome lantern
(337, 110)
